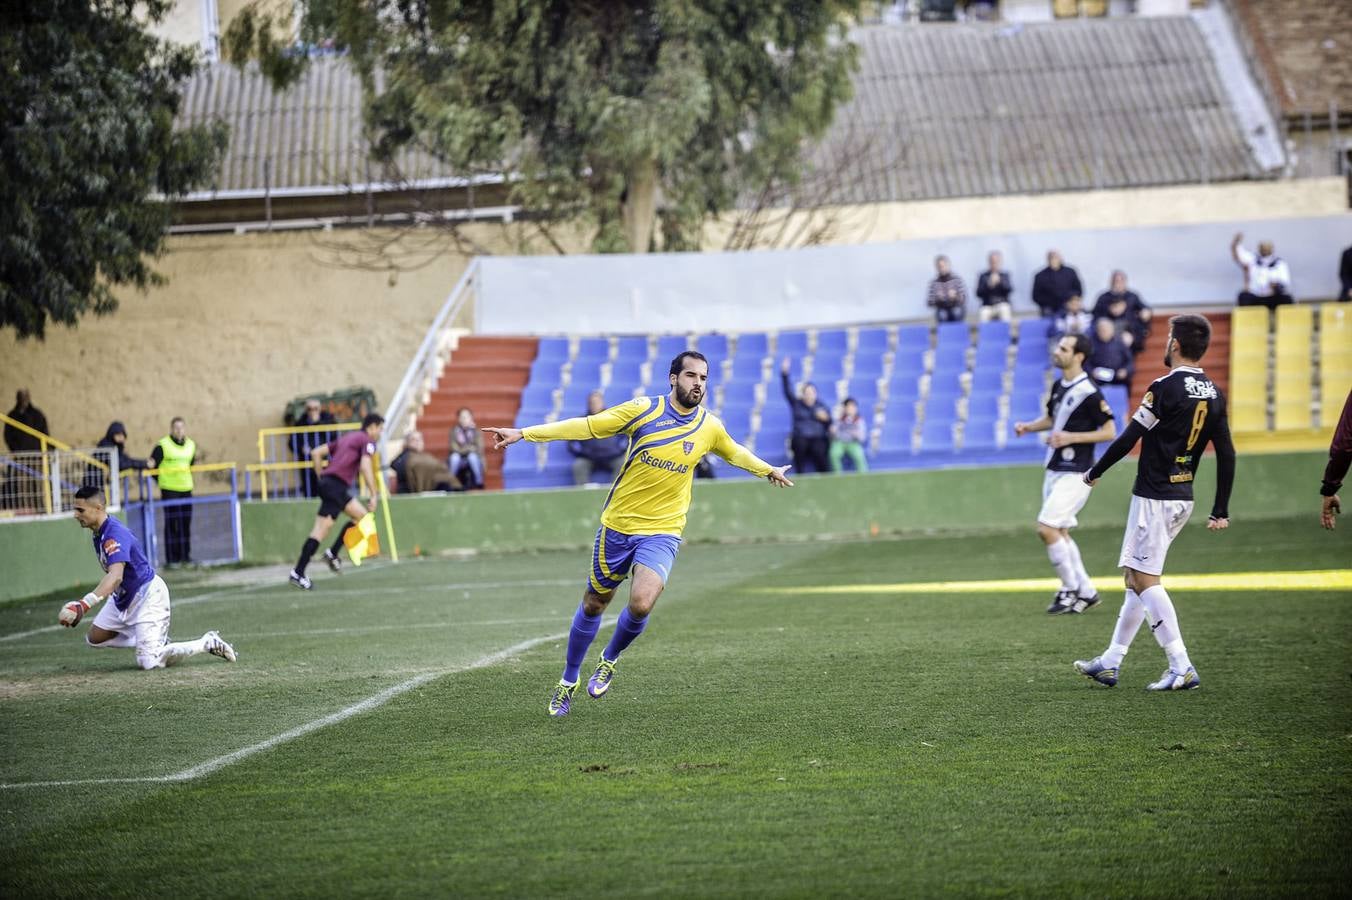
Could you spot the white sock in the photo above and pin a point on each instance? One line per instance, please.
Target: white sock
(181, 650)
(1128, 623)
(1164, 623)
(1085, 586)
(1059, 554)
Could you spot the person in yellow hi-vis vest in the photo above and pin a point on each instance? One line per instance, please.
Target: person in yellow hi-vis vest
(172, 456)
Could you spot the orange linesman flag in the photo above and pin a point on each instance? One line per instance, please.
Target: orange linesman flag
(362, 541)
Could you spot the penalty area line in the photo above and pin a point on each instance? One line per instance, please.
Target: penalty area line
(1316, 580)
(373, 702)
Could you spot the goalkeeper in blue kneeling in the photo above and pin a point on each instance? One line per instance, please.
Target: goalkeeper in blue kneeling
(645, 511)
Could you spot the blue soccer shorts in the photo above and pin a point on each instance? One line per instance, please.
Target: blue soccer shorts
(615, 553)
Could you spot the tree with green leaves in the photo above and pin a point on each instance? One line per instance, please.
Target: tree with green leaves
(90, 159)
(610, 113)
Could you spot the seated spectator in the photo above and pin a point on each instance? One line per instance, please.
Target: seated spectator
(1267, 279)
(993, 287)
(115, 436)
(1054, 285)
(1345, 276)
(1131, 317)
(303, 443)
(1072, 320)
(467, 451)
(810, 439)
(947, 293)
(598, 454)
(848, 434)
(1110, 361)
(418, 471)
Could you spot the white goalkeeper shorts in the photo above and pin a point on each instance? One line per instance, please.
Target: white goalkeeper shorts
(1152, 526)
(1063, 495)
(145, 621)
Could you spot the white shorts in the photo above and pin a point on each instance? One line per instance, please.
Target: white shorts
(1152, 526)
(146, 621)
(1063, 495)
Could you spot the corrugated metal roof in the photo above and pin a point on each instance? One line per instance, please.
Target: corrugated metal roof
(951, 110)
(940, 110)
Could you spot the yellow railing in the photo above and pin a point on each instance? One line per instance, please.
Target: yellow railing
(44, 440)
(265, 433)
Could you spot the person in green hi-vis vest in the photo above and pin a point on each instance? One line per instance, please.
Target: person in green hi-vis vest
(172, 456)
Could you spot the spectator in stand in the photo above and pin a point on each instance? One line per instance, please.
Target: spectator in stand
(947, 293)
(18, 440)
(417, 471)
(467, 450)
(303, 443)
(811, 437)
(1345, 276)
(1267, 278)
(1054, 285)
(1110, 361)
(993, 287)
(848, 434)
(1073, 320)
(598, 454)
(174, 456)
(1131, 317)
(114, 437)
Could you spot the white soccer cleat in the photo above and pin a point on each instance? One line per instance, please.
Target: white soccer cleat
(1176, 681)
(218, 646)
(301, 581)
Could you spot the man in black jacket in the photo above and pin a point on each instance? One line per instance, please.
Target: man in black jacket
(303, 443)
(1054, 285)
(810, 440)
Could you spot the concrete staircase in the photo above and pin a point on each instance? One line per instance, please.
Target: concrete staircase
(486, 374)
(1150, 363)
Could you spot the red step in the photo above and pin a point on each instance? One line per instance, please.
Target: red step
(486, 374)
(1150, 362)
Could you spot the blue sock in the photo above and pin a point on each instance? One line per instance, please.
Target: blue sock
(626, 629)
(580, 637)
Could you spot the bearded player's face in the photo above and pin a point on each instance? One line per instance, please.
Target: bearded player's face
(691, 383)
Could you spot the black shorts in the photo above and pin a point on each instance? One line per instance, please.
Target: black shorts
(334, 494)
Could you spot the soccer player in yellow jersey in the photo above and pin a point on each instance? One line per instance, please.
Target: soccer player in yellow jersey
(644, 513)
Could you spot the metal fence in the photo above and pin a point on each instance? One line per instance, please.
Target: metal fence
(202, 530)
(38, 483)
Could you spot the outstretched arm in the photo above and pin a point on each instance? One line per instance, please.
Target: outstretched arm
(1116, 450)
(743, 458)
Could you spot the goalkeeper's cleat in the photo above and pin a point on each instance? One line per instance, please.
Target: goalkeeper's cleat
(562, 699)
(1083, 603)
(1063, 602)
(1095, 669)
(599, 683)
(217, 646)
(301, 581)
(335, 564)
(1175, 681)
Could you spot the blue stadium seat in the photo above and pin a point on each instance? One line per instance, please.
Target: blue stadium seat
(868, 365)
(775, 414)
(545, 371)
(625, 376)
(1028, 448)
(1029, 377)
(988, 379)
(737, 420)
(865, 391)
(983, 406)
(936, 435)
(575, 399)
(713, 346)
(941, 406)
(871, 341)
(772, 445)
(991, 356)
(1120, 401)
(912, 339)
(997, 332)
(552, 348)
(834, 342)
(979, 435)
(1026, 406)
(539, 395)
(792, 344)
(748, 368)
(585, 372)
(953, 334)
(739, 393)
(896, 433)
(668, 345)
(826, 369)
(597, 349)
(1033, 330)
(530, 415)
(632, 346)
(519, 457)
(950, 359)
(753, 344)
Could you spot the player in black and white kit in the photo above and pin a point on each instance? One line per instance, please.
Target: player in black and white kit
(1180, 414)
(1079, 417)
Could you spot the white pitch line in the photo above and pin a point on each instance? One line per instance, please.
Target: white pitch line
(374, 701)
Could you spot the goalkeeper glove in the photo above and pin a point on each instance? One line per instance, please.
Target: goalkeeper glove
(74, 611)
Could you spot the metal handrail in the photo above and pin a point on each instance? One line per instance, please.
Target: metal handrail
(265, 433)
(425, 360)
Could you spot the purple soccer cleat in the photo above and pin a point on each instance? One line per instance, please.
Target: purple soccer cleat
(600, 681)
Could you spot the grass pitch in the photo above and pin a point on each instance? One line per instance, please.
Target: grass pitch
(762, 738)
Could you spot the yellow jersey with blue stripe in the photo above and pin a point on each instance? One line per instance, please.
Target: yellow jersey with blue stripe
(651, 493)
